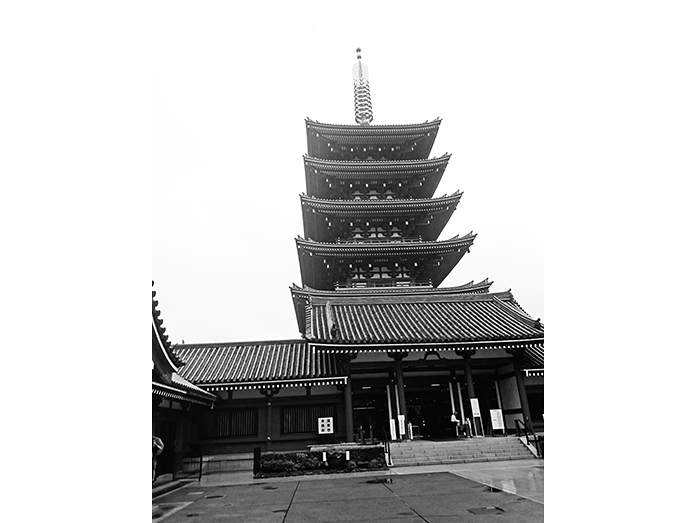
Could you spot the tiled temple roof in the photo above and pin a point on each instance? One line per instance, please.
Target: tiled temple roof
(476, 320)
(249, 365)
(534, 357)
(301, 295)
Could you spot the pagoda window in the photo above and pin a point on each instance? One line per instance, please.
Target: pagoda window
(358, 273)
(402, 273)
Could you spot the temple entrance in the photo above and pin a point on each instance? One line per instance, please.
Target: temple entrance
(429, 409)
(370, 410)
(165, 461)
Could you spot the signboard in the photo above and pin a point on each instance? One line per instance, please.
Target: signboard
(477, 427)
(393, 430)
(402, 424)
(475, 408)
(497, 419)
(325, 425)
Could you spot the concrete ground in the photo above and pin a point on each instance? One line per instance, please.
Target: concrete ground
(512, 491)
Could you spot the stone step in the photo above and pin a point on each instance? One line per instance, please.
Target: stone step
(414, 453)
(455, 454)
(421, 452)
(449, 451)
(461, 455)
(396, 463)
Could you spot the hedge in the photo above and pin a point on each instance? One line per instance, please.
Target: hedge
(310, 462)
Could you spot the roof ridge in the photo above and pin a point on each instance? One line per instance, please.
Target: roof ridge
(435, 159)
(431, 123)
(396, 298)
(456, 195)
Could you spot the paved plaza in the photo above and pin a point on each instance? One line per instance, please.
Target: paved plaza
(506, 491)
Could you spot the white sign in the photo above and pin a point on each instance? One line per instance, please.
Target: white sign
(402, 424)
(497, 419)
(325, 425)
(475, 408)
(393, 430)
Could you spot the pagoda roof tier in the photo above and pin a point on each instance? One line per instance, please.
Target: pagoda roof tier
(427, 215)
(257, 365)
(385, 323)
(350, 142)
(421, 176)
(302, 295)
(324, 264)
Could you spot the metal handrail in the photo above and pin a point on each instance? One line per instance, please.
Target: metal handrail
(386, 446)
(524, 426)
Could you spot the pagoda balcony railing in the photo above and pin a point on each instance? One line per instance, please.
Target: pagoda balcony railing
(372, 284)
(380, 240)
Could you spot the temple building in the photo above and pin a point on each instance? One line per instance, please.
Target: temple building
(176, 402)
(383, 348)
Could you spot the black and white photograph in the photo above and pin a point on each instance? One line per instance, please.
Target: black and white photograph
(356, 228)
(348, 296)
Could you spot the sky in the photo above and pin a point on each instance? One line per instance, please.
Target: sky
(232, 85)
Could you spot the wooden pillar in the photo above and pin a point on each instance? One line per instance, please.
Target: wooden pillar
(345, 360)
(468, 376)
(269, 419)
(517, 364)
(467, 356)
(401, 397)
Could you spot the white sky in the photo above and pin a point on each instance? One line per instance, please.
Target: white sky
(232, 85)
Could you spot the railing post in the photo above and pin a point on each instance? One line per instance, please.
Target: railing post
(257, 460)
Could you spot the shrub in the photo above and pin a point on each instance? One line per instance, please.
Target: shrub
(302, 462)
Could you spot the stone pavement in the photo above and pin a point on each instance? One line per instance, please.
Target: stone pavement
(511, 491)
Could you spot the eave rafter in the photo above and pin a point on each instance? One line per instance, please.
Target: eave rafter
(341, 250)
(380, 207)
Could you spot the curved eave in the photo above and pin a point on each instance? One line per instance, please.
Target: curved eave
(340, 250)
(164, 361)
(192, 394)
(379, 207)
(374, 129)
(467, 288)
(404, 141)
(276, 384)
(387, 167)
(436, 258)
(415, 346)
(160, 339)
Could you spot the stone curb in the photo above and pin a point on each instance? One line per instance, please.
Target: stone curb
(168, 487)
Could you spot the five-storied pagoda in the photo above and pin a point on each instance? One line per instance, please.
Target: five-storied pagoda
(371, 265)
(383, 347)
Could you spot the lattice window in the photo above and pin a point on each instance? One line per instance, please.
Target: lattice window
(298, 420)
(229, 423)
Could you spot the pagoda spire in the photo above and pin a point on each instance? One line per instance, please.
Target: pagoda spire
(361, 92)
